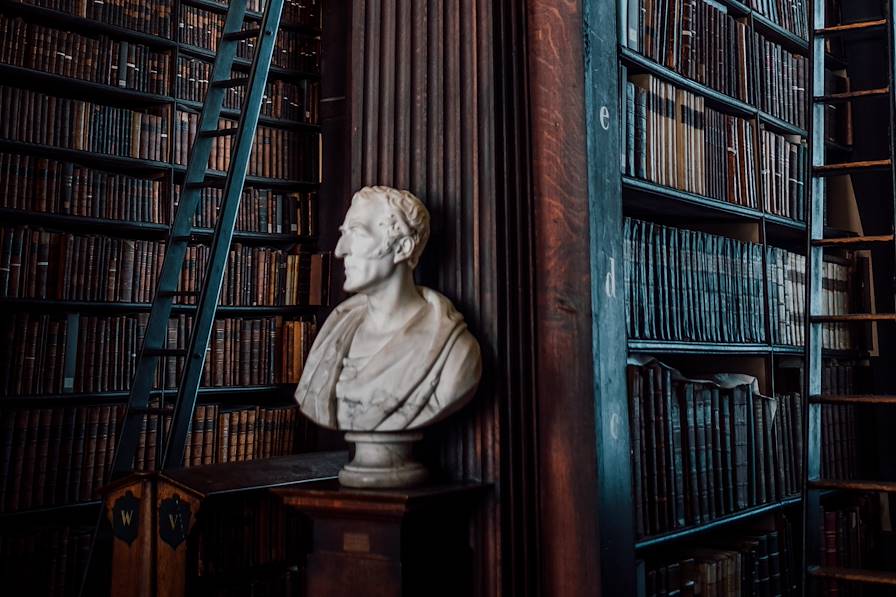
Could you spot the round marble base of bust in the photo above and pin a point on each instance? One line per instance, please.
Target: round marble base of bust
(383, 460)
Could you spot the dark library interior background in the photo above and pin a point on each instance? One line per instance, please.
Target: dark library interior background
(669, 224)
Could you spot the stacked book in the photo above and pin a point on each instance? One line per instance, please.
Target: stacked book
(83, 126)
(752, 564)
(36, 263)
(99, 59)
(42, 560)
(702, 449)
(148, 16)
(53, 456)
(674, 140)
(47, 354)
(692, 286)
(59, 187)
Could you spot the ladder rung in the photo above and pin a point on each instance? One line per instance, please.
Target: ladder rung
(849, 27)
(235, 82)
(853, 399)
(853, 241)
(164, 352)
(219, 132)
(854, 317)
(848, 95)
(251, 33)
(868, 577)
(881, 486)
(182, 238)
(830, 169)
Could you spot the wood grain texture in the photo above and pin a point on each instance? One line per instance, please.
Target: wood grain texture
(423, 118)
(566, 436)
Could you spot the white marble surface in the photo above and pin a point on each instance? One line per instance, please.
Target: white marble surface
(395, 356)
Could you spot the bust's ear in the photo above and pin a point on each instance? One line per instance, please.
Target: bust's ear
(403, 249)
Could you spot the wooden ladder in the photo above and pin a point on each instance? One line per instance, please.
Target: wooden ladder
(816, 574)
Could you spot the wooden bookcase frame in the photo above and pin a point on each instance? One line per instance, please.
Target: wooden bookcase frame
(168, 171)
(610, 195)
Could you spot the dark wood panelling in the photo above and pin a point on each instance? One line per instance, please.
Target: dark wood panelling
(566, 466)
(425, 76)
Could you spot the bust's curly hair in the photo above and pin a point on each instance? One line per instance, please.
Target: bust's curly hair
(408, 217)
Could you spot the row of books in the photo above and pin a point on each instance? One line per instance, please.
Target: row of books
(54, 456)
(266, 535)
(783, 170)
(36, 263)
(283, 99)
(293, 49)
(44, 560)
(148, 16)
(839, 452)
(54, 186)
(786, 273)
(261, 210)
(692, 286)
(699, 40)
(98, 59)
(702, 449)
(278, 153)
(58, 187)
(295, 12)
(851, 536)
(759, 563)
(217, 435)
(84, 126)
(103, 357)
(792, 16)
(674, 140)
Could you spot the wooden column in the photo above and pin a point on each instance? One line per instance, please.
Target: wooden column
(567, 464)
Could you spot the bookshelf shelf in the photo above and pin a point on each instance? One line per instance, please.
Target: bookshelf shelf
(256, 181)
(722, 522)
(122, 396)
(76, 23)
(250, 16)
(718, 98)
(244, 63)
(682, 203)
(85, 508)
(88, 158)
(674, 347)
(778, 34)
(277, 122)
(147, 230)
(78, 88)
(91, 306)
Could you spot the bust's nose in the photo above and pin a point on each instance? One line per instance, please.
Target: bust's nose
(341, 248)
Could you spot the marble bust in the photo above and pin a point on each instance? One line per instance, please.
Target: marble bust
(394, 357)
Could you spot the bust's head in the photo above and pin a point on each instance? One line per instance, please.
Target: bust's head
(383, 236)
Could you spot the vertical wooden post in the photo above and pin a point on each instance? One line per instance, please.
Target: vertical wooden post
(129, 507)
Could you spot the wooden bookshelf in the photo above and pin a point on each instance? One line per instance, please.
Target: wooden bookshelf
(169, 173)
(747, 220)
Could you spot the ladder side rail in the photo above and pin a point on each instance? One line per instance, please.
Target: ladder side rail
(812, 517)
(172, 263)
(891, 84)
(221, 241)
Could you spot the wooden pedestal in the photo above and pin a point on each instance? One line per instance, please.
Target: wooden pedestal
(387, 543)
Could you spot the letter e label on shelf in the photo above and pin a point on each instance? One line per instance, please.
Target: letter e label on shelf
(605, 118)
